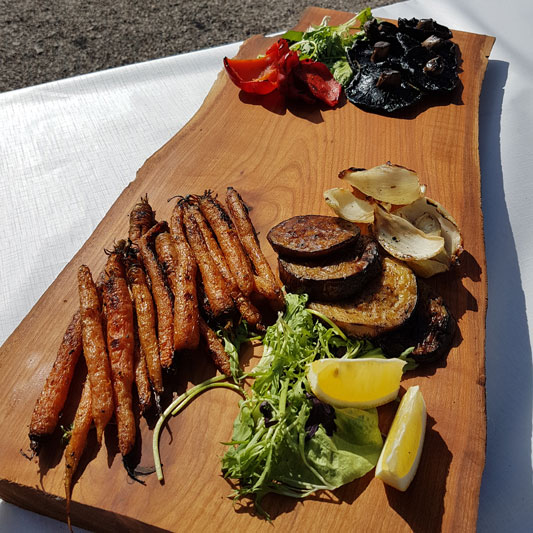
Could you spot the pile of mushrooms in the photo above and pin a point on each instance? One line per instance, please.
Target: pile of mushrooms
(396, 66)
(407, 224)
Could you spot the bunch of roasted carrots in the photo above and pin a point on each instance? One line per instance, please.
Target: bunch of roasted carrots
(163, 290)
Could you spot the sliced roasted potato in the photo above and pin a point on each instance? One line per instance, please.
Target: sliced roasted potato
(385, 304)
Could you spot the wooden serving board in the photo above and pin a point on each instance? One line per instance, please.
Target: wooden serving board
(281, 160)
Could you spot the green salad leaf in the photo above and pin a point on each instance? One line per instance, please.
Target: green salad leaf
(328, 44)
(232, 340)
(284, 439)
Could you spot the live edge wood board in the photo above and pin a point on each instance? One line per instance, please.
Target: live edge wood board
(281, 160)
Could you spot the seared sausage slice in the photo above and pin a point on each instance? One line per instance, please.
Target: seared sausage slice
(312, 236)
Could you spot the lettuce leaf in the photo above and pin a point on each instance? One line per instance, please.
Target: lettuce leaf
(330, 462)
(272, 449)
(328, 44)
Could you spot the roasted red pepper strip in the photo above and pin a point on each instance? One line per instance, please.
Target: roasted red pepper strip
(278, 49)
(286, 64)
(258, 76)
(319, 80)
(280, 68)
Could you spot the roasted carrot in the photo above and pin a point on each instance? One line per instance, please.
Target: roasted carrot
(55, 391)
(228, 240)
(185, 290)
(142, 380)
(266, 282)
(120, 346)
(142, 218)
(95, 352)
(52, 399)
(215, 348)
(215, 287)
(146, 321)
(162, 298)
(248, 311)
(77, 442)
(186, 333)
(177, 229)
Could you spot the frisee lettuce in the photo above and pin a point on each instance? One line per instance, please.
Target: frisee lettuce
(328, 44)
(271, 450)
(232, 340)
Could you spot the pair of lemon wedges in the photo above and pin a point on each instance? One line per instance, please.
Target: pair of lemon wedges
(371, 382)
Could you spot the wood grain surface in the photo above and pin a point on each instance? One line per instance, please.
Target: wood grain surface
(280, 160)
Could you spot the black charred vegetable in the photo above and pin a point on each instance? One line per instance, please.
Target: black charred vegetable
(431, 329)
(396, 66)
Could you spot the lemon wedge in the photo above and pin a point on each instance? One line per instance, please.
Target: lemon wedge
(362, 383)
(401, 452)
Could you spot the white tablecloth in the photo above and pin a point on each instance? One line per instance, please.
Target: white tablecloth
(68, 149)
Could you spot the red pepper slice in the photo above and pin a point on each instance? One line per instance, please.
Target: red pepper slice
(258, 76)
(321, 83)
(286, 64)
(278, 49)
(280, 68)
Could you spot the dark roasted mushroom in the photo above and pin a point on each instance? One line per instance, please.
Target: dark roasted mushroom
(381, 51)
(433, 43)
(389, 79)
(421, 29)
(369, 92)
(431, 73)
(395, 66)
(434, 67)
(379, 31)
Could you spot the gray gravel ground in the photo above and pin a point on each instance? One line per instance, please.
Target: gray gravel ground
(46, 41)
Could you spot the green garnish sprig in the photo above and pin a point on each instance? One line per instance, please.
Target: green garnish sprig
(179, 404)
